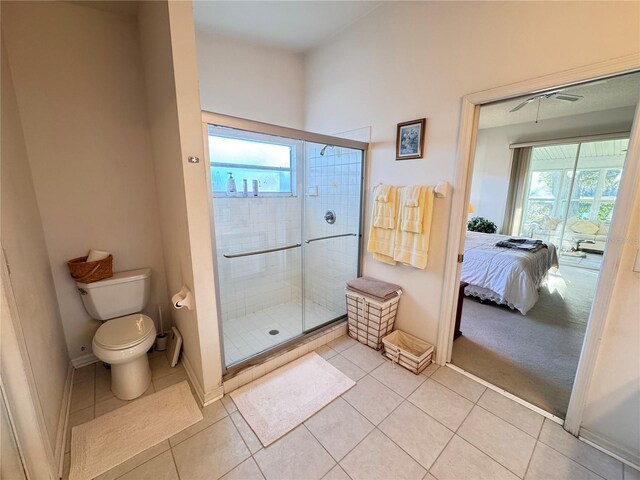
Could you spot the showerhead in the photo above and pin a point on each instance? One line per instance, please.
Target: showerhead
(324, 149)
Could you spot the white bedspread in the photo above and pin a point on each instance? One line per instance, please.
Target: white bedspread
(505, 275)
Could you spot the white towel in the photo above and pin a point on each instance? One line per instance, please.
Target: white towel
(412, 248)
(412, 209)
(384, 211)
(95, 255)
(382, 193)
(412, 195)
(382, 231)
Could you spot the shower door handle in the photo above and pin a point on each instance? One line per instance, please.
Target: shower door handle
(331, 236)
(260, 252)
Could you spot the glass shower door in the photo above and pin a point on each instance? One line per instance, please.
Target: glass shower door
(331, 229)
(258, 244)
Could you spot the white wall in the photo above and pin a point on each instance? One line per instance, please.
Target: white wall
(168, 52)
(408, 60)
(31, 281)
(80, 92)
(612, 415)
(492, 164)
(250, 81)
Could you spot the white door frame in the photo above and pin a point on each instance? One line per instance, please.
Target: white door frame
(18, 387)
(462, 188)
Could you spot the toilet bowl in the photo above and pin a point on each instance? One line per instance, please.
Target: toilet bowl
(126, 335)
(123, 342)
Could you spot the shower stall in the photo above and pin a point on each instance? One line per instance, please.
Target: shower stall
(287, 217)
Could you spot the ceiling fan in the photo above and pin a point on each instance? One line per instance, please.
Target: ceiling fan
(557, 94)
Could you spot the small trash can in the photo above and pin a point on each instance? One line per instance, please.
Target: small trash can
(371, 309)
(411, 352)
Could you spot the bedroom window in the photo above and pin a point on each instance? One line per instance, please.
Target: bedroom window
(572, 181)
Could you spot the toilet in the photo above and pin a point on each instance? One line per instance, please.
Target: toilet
(126, 335)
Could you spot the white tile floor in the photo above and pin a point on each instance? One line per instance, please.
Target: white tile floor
(249, 335)
(392, 425)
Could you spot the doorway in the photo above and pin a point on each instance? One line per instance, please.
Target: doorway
(566, 243)
(287, 210)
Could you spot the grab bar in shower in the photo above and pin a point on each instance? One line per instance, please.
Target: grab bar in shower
(259, 252)
(332, 236)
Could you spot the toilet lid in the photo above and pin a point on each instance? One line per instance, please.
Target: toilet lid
(124, 332)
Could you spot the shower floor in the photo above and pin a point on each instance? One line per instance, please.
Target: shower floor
(249, 335)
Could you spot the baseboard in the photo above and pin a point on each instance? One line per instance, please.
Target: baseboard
(63, 421)
(84, 360)
(617, 451)
(213, 396)
(206, 398)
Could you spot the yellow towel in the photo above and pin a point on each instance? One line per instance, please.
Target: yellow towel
(413, 248)
(412, 209)
(382, 193)
(382, 240)
(384, 207)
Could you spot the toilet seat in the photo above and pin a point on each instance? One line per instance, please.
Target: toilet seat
(124, 332)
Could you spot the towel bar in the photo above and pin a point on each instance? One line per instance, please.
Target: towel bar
(331, 236)
(259, 252)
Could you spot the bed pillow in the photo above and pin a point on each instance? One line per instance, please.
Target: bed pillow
(571, 221)
(549, 223)
(585, 227)
(603, 230)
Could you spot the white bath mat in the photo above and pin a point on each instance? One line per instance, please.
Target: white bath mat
(281, 400)
(109, 440)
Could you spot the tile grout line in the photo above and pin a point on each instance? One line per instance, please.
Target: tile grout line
(243, 441)
(406, 399)
(455, 432)
(510, 423)
(486, 453)
(143, 463)
(336, 462)
(534, 449)
(376, 427)
(173, 457)
(576, 461)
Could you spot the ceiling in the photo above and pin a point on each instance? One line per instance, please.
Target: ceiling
(295, 26)
(616, 92)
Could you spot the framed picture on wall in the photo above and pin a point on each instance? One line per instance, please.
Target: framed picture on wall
(410, 139)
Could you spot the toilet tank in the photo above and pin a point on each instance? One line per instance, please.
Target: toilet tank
(123, 294)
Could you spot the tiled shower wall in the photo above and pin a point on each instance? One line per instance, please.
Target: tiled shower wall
(330, 263)
(254, 283)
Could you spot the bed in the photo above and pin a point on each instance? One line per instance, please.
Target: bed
(505, 276)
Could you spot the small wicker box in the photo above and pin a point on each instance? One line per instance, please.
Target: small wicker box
(370, 320)
(409, 351)
(89, 272)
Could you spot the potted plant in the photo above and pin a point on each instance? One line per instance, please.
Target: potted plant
(481, 224)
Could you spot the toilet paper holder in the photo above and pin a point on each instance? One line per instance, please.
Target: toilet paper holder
(184, 298)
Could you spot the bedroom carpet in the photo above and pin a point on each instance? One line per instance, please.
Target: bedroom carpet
(535, 356)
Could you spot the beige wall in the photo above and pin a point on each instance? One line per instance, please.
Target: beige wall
(417, 59)
(23, 241)
(168, 51)
(250, 81)
(80, 91)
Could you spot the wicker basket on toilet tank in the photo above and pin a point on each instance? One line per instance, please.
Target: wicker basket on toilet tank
(89, 272)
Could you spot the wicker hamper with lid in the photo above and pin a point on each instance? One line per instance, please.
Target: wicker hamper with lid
(371, 309)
